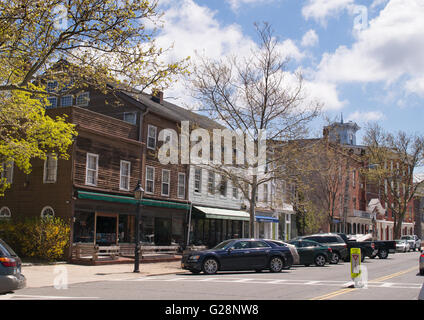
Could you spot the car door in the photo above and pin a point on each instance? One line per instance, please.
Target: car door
(259, 254)
(236, 257)
(308, 250)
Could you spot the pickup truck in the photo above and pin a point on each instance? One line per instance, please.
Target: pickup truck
(367, 247)
(414, 242)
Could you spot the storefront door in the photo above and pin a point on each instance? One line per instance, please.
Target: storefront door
(106, 229)
(163, 231)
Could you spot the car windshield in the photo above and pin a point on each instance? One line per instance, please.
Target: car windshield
(222, 245)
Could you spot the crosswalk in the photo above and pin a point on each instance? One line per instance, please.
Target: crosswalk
(270, 281)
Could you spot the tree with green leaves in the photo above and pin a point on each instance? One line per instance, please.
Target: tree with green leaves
(102, 42)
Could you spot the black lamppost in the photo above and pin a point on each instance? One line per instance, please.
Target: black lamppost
(138, 196)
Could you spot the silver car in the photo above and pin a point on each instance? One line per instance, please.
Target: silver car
(403, 245)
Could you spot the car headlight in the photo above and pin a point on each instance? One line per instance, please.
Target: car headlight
(194, 258)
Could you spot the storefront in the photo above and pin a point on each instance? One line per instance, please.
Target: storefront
(266, 226)
(109, 220)
(210, 226)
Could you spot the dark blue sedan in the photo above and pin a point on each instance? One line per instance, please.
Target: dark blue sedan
(239, 254)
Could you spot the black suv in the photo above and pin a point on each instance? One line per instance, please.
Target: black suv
(334, 241)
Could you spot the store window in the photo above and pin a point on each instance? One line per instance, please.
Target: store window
(177, 230)
(126, 229)
(84, 227)
(147, 230)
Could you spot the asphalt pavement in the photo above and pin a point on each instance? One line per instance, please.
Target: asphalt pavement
(395, 278)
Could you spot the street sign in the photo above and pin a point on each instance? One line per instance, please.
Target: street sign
(355, 262)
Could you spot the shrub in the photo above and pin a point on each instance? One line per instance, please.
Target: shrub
(37, 238)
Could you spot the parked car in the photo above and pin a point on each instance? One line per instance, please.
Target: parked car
(414, 242)
(11, 278)
(335, 242)
(383, 248)
(421, 263)
(353, 241)
(403, 245)
(239, 254)
(312, 252)
(292, 248)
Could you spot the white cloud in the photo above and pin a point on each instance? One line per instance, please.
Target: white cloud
(235, 4)
(289, 49)
(310, 39)
(390, 50)
(366, 116)
(320, 10)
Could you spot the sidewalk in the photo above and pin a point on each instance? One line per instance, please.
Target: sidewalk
(44, 276)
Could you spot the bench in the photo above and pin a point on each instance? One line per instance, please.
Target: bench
(89, 251)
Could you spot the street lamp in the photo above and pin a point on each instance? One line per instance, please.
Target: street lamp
(138, 196)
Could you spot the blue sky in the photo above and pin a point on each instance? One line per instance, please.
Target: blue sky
(362, 58)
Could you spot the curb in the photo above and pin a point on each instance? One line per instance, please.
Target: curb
(36, 264)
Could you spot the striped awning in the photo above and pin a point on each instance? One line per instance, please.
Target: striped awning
(227, 214)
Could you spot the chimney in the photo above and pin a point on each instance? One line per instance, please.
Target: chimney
(157, 96)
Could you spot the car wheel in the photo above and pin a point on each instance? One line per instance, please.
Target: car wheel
(422, 272)
(382, 254)
(276, 264)
(335, 258)
(320, 260)
(210, 266)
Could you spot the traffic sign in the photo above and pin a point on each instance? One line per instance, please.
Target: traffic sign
(355, 262)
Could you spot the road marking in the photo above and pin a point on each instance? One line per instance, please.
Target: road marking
(333, 294)
(342, 291)
(381, 279)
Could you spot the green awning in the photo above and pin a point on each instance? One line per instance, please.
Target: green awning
(227, 214)
(130, 200)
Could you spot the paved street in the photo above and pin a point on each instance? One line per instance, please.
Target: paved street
(395, 278)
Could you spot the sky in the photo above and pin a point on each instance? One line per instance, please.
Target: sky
(361, 58)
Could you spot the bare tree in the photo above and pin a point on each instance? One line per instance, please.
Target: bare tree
(392, 159)
(254, 96)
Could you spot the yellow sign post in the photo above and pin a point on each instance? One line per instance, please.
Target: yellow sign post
(355, 265)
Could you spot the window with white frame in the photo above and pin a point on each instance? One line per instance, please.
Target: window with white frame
(7, 172)
(197, 180)
(130, 117)
(52, 102)
(235, 192)
(82, 99)
(223, 186)
(66, 101)
(5, 213)
(150, 179)
(50, 169)
(265, 193)
(92, 169)
(151, 137)
(125, 172)
(211, 182)
(47, 212)
(166, 178)
(181, 185)
(51, 86)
